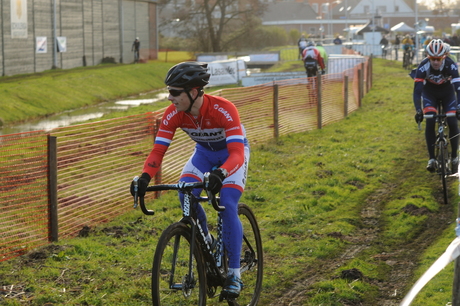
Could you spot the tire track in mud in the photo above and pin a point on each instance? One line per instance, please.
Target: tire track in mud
(402, 261)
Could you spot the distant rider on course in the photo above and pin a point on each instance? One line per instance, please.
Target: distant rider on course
(434, 78)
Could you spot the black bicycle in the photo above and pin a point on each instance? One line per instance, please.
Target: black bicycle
(442, 154)
(407, 57)
(187, 269)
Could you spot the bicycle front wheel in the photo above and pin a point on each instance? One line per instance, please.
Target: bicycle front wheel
(178, 277)
(443, 160)
(251, 261)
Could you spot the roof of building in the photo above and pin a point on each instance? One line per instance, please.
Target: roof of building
(281, 11)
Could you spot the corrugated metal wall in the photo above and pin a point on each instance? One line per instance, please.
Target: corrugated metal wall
(94, 30)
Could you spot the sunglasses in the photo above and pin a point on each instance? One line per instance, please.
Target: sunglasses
(436, 59)
(176, 92)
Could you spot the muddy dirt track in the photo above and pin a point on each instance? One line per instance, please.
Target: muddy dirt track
(401, 260)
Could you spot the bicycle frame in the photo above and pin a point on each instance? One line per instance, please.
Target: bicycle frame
(441, 138)
(442, 146)
(214, 260)
(206, 264)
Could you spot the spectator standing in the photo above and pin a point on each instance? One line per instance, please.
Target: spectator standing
(384, 44)
(135, 48)
(397, 43)
(455, 40)
(337, 41)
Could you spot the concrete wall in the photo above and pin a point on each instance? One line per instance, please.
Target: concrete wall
(94, 30)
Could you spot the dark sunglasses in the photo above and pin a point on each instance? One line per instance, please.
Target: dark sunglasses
(436, 59)
(176, 92)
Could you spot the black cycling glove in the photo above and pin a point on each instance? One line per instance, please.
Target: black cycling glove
(216, 178)
(142, 184)
(419, 116)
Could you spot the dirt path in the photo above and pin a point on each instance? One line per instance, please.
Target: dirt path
(401, 260)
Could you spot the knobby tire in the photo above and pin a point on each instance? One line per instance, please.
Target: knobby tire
(171, 265)
(443, 160)
(251, 258)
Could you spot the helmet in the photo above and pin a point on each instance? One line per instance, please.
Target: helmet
(436, 48)
(310, 44)
(447, 46)
(188, 75)
(319, 44)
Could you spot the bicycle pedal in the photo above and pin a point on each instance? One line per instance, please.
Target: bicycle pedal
(223, 296)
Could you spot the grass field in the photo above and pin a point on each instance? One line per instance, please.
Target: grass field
(348, 216)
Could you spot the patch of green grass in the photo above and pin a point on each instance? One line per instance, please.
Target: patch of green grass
(315, 194)
(25, 97)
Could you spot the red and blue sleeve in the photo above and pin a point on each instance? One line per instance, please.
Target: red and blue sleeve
(163, 139)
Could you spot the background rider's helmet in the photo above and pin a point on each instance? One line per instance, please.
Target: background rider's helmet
(447, 46)
(188, 75)
(319, 43)
(310, 44)
(436, 48)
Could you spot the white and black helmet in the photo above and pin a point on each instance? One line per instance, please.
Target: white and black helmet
(436, 48)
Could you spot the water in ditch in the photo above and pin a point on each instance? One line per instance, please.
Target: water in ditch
(82, 114)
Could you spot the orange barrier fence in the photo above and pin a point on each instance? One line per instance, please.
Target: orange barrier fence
(57, 183)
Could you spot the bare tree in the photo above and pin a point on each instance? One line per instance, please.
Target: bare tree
(211, 25)
(441, 6)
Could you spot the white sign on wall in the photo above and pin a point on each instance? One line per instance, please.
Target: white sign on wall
(226, 72)
(18, 18)
(61, 43)
(41, 44)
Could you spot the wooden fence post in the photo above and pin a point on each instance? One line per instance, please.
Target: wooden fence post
(52, 190)
(345, 98)
(370, 69)
(319, 101)
(360, 86)
(276, 130)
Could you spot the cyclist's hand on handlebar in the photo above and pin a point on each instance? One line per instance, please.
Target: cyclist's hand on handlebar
(458, 112)
(215, 180)
(418, 116)
(142, 184)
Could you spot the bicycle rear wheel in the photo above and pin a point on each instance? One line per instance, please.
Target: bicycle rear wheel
(172, 284)
(251, 258)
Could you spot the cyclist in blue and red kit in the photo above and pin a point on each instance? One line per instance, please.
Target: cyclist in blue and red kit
(437, 79)
(221, 149)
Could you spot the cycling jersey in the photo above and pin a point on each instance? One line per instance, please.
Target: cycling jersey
(436, 85)
(314, 54)
(217, 128)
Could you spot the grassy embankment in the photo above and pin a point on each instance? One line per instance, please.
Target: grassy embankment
(309, 192)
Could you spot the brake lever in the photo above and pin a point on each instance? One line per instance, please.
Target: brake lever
(136, 188)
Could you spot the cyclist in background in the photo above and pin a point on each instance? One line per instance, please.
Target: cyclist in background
(323, 53)
(221, 149)
(408, 45)
(452, 56)
(302, 43)
(434, 78)
(312, 58)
